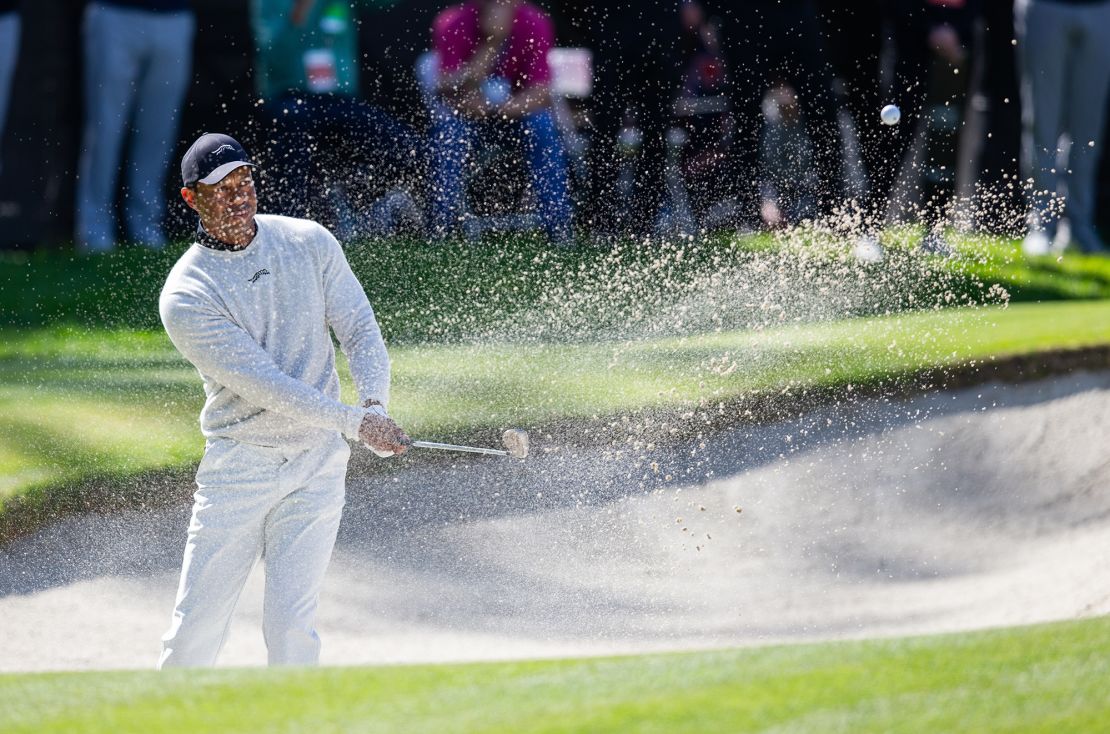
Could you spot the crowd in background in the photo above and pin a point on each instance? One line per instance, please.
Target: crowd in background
(672, 116)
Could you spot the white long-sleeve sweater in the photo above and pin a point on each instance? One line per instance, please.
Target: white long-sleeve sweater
(254, 322)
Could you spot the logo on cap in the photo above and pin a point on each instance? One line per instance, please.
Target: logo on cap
(211, 158)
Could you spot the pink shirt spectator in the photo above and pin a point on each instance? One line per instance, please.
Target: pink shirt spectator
(523, 60)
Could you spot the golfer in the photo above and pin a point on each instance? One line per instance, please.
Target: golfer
(250, 304)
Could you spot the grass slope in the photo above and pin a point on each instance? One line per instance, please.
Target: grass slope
(1047, 678)
(91, 391)
(79, 404)
(426, 291)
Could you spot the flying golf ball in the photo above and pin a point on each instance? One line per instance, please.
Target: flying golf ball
(890, 114)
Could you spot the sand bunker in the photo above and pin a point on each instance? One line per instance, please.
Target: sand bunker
(984, 507)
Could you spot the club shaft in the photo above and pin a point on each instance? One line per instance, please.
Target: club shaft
(453, 447)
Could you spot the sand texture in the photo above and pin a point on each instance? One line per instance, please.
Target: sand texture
(984, 507)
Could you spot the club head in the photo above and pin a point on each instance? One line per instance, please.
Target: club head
(515, 441)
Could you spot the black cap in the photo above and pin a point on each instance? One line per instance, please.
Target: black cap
(212, 157)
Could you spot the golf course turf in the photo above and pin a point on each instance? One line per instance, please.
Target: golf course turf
(94, 398)
(83, 407)
(511, 332)
(1047, 678)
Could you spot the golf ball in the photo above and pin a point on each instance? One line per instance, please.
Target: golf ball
(891, 114)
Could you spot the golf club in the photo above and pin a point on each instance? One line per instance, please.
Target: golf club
(515, 441)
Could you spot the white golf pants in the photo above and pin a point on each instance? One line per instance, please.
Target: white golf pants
(281, 504)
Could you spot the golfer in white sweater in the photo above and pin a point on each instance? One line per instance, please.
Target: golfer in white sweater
(250, 304)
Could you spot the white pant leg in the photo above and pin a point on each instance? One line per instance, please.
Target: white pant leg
(1042, 34)
(9, 54)
(237, 487)
(112, 64)
(299, 538)
(1089, 83)
(162, 85)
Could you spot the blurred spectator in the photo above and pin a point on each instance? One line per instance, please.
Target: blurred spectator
(138, 61)
(494, 79)
(704, 126)
(951, 27)
(352, 164)
(787, 178)
(924, 47)
(865, 36)
(9, 52)
(636, 77)
(704, 71)
(1064, 56)
(1001, 201)
(782, 39)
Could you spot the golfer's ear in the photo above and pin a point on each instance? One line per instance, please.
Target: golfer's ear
(189, 196)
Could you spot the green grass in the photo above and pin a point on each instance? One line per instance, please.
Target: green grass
(1041, 278)
(432, 292)
(1048, 678)
(448, 388)
(93, 397)
(78, 405)
(512, 332)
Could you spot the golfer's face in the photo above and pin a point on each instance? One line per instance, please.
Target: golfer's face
(230, 203)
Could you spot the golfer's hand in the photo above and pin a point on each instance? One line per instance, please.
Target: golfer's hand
(381, 434)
